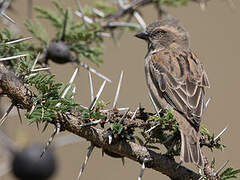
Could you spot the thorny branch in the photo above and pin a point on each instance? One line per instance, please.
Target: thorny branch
(21, 97)
(14, 88)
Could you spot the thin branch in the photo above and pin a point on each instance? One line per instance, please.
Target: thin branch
(17, 92)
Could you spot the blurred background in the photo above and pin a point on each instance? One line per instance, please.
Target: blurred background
(215, 39)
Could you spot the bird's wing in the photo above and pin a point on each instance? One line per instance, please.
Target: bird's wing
(181, 79)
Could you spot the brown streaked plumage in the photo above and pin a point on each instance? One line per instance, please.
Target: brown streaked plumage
(176, 78)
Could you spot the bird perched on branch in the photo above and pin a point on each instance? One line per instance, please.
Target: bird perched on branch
(176, 78)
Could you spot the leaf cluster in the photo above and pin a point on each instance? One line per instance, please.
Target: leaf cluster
(205, 134)
(82, 39)
(8, 50)
(229, 173)
(88, 115)
(166, 132)
(121, 132)
(49, 101)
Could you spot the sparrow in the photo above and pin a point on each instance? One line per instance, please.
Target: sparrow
(176, 78)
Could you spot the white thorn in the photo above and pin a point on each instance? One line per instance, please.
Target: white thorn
(134, 114)
(91, 107)
(208, 101)
(91, 86)
(83, 107)
(7, 17)
(140, 19)
(74, 92)
(13, 57)
(124, 115)
(142, 170)
(86, 160)
(35, 62)
(4, 117)
(86, 18)
(32, 109)
(109, 139)
(91, 123)
(104, 34)
(40, 69)
(118, 90)
(55, 132)
(122, 4)
(154, 105)
(98, 12)
(221, 168)
(202, 5)
(218, 136)
(152, 128)
(73, 76)
(18, 40)
(85, 66)
(69, 86)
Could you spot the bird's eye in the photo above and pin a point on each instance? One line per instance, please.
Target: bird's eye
(158, 33)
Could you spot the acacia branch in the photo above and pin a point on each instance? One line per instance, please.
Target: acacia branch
(133, 6)
(14, 88)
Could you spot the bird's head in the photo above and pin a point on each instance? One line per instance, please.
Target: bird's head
(164, 33)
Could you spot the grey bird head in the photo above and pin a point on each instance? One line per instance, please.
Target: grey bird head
(165, 32)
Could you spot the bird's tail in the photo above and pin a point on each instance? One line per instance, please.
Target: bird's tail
(190, 149)
(190, 146)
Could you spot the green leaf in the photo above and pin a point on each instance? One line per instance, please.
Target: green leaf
(37, 30)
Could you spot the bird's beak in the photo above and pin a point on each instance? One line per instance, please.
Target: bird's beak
(142, 35)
